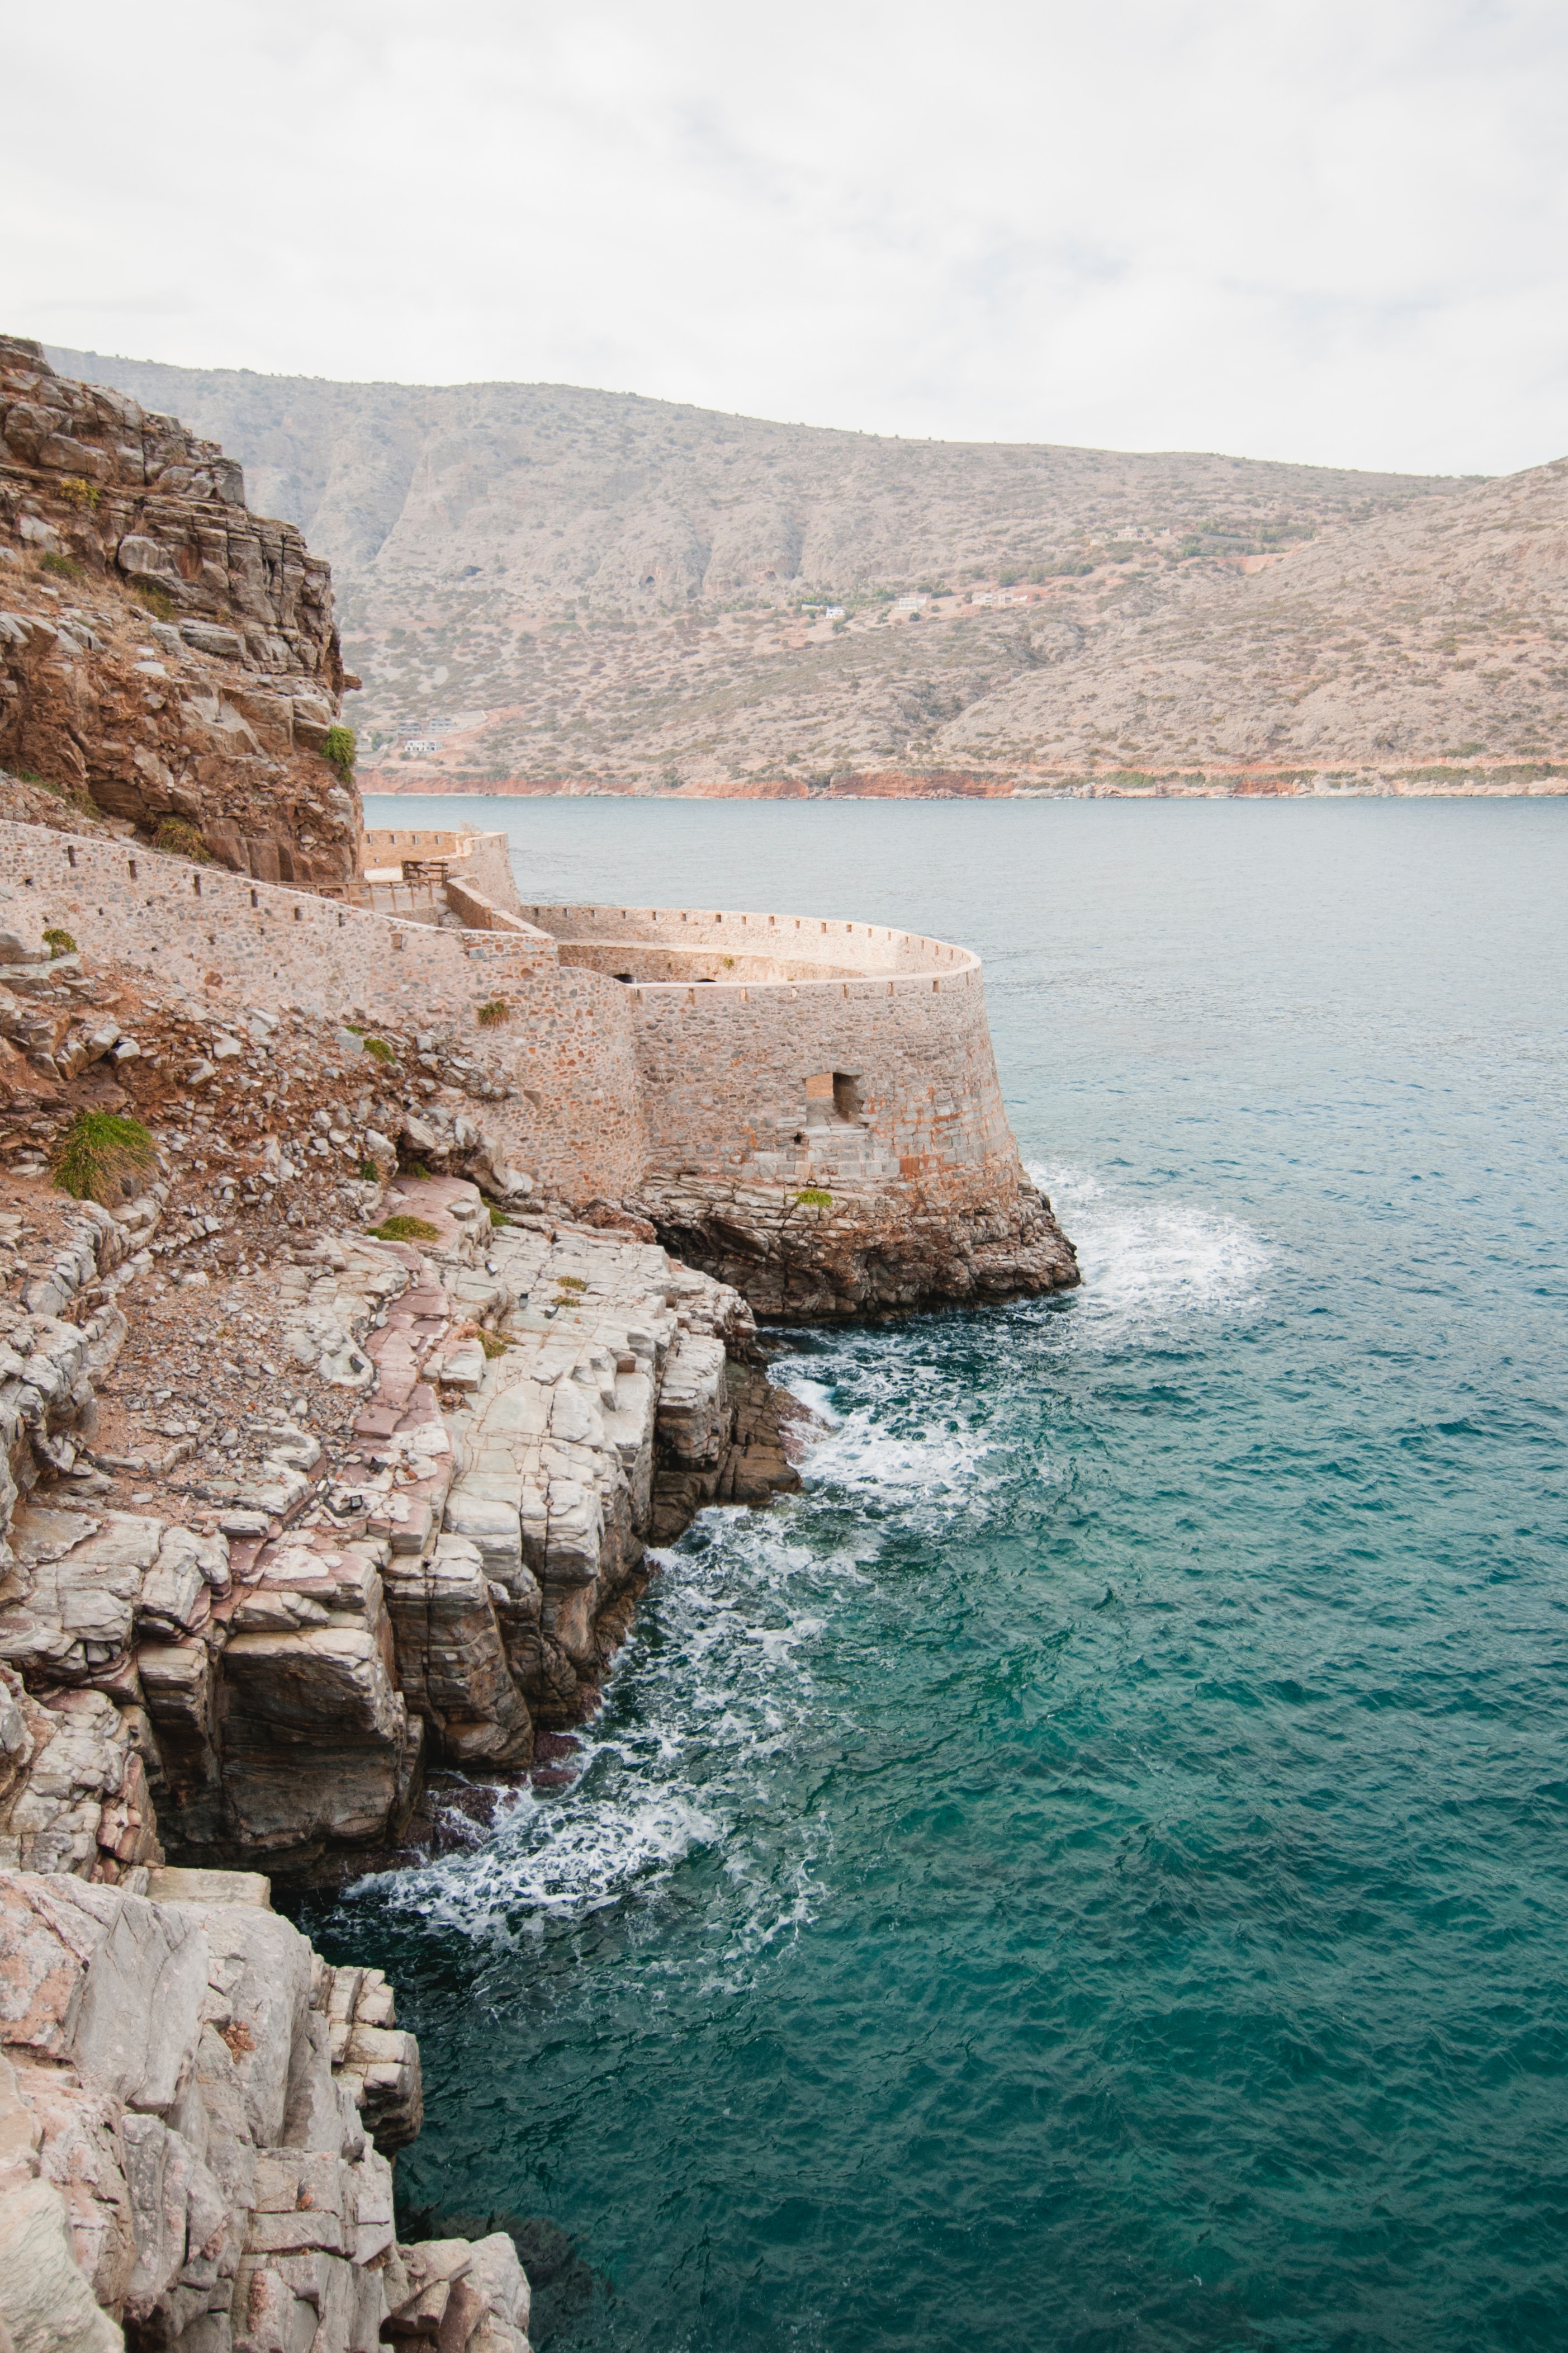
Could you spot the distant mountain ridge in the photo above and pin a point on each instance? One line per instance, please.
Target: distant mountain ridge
(566, 587)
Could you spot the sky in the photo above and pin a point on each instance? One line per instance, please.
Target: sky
(1328, 232)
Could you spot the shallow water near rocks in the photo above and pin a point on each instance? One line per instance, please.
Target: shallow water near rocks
(1092, 1873)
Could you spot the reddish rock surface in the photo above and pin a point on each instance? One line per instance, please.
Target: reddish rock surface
(164, 654)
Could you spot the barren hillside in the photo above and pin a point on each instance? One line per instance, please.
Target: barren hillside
(557, 585)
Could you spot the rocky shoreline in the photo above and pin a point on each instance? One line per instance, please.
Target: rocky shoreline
(245, 1647)
(295, 1510)
(356, 1345)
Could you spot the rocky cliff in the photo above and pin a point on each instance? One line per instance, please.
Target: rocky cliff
(315, 1474)
(324, 1488)
(167, 658)
(197, 2117)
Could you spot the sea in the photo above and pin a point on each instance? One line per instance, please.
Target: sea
(1090, 1873)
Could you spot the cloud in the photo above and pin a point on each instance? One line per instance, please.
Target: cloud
(1331, 232)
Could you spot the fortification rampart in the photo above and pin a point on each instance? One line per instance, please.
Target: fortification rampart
(565, 1045)
(797, 1051)
(808, 948)
(866, 1100)
(483, 860)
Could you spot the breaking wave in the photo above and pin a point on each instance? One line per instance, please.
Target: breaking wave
(1144, 1262)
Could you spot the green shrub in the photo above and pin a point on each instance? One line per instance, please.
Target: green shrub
(498, 1216)
(158, 601)
(380, 1050)
(80, 493)
(74, 796)
(495, 1010)
(58, 943)
(61, 566)
(418, 1170)
(493, 1345)
(181, 838)
(813, 1198)
(407, 1229)
(339, 748)
(570, 1283)
(369, 1173)
(102, 1157)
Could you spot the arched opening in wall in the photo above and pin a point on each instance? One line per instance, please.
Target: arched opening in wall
(621, 975)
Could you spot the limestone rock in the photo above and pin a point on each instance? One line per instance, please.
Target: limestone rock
(46, 2303)
(186, 2092)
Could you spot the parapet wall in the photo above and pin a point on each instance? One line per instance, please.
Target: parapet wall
(795, 1070)
(803, 943)
(485, 857)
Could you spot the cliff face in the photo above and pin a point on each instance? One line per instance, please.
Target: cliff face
(288, 1510)
(164, 654)
(197, 2122)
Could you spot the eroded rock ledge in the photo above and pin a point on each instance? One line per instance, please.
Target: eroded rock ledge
(420, 1540)
(197, 2117)
(260, 1667)
(804, 1259)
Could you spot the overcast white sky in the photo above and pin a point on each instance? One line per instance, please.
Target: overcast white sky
(1320, 229)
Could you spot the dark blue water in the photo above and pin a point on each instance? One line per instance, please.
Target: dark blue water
(1092, 1873)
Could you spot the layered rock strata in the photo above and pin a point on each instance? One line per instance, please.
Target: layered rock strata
(197, 2117)
(164, 654)
(434, 1550)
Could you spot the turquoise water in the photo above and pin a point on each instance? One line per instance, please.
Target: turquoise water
(1092, 1873)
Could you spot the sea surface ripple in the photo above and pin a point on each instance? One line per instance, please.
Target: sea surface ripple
(1092, 1873)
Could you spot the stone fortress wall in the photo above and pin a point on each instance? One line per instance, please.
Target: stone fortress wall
(821, 1088)
(640, 1044)
(797, 1051)
(566, 1050)
(785, 1049)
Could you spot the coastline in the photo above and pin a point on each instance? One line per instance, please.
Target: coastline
(1500, 780)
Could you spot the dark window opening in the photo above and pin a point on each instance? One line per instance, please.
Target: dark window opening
(846, 1095)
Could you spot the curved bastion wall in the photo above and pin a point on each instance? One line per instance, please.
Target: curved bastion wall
(798, 1051)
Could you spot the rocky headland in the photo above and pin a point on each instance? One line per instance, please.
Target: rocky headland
(168, 659)
(379, 1272)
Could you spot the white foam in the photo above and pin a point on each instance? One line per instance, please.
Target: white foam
(817, 1395)
(721, 1683)
(558, 1860)
(1146, 1263)
(863, 1458)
